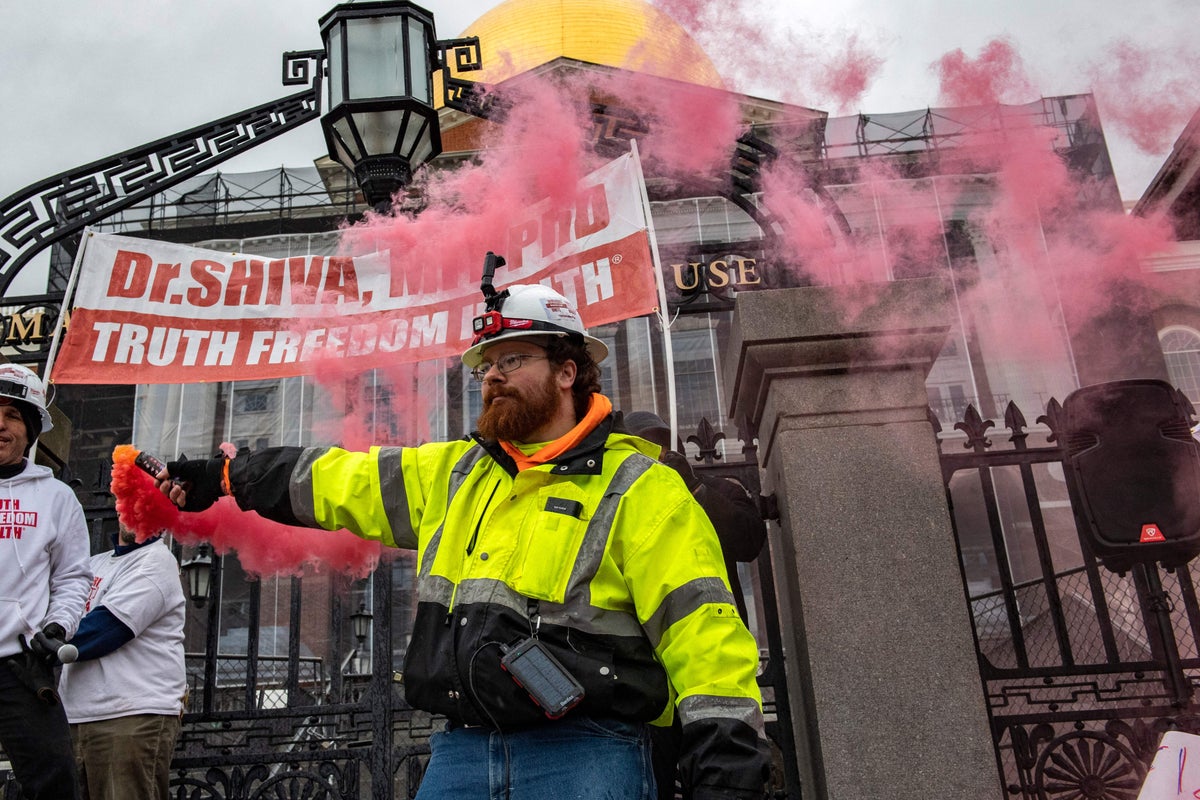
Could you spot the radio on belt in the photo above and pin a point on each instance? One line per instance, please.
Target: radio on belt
(540, 674)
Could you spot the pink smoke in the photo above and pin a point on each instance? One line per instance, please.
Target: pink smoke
(759, 55)
(689, 127)
(1148, 94)
(996, 76)
(849, 71)
(1050, 242)
(263, 547)
(536, 154)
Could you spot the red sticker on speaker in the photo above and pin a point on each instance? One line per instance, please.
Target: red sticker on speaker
(1152, 533)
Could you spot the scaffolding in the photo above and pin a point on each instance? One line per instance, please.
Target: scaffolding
(216, 200)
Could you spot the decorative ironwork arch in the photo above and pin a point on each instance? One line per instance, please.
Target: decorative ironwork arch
(55, 208)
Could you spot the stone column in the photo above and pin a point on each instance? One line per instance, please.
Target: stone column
(881, 669)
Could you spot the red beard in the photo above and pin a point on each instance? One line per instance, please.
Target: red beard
(524, 413)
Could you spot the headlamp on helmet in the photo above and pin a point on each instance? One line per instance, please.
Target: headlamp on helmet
(487, 324)
(525, 311)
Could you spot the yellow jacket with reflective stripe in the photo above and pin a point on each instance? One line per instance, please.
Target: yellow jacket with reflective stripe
(604, 554)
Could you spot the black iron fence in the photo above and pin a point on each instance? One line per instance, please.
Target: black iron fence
(1083, 669)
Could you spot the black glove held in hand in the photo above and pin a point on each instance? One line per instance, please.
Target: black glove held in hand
(679, 463)
(35, 669)
(45, 644)
(201, 480)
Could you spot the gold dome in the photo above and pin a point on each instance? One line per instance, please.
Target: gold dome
(519, 35)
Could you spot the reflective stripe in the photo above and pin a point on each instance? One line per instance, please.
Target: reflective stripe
(587, 619)
(395, 503)
(492, 592)
(300, 487)
(458, 476)
(683, 601)
(706, 706)
(599, 529)
(435, 589)
(591, 619)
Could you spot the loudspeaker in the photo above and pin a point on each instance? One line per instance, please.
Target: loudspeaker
(1133, 472)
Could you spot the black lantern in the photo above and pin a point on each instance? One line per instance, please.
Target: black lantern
(197, 572)
(380, 122)
(360, 623)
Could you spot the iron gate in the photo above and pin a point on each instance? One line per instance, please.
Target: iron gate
(1083, 669)
(296, 727)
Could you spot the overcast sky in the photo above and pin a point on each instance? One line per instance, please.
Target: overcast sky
(83, 79)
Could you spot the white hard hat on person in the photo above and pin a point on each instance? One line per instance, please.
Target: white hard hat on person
(18, 382)
(529, 311)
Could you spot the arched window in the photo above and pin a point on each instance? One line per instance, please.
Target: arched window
(1181, 348)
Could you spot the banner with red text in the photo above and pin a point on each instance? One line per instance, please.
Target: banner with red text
(156, 312)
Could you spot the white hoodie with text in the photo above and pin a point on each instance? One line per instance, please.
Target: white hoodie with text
(44, 550)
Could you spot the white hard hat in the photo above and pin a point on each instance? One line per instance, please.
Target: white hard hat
(19, 382)
(530, 311)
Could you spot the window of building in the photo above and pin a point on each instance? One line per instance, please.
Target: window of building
(696, 389)
(1181, 349)
(256, 401)
(700, 220)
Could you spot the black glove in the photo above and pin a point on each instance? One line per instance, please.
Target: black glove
(45, 644)
(55, 631)
(201, 479)
(679, 463)
(35, 671)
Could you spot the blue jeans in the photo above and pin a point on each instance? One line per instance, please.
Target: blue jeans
(578, 758)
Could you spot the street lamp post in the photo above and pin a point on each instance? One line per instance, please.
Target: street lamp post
(197, 573)
(380, 122)
(360, 626)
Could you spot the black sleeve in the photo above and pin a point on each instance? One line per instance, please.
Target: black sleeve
(723, 759)
(261, 482)
(735, 516)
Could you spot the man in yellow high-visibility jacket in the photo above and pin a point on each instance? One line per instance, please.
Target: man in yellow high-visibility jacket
(552, 549)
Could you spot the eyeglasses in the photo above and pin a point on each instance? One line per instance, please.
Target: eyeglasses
(506, 364)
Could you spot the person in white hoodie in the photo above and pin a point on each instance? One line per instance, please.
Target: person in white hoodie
(44, 581)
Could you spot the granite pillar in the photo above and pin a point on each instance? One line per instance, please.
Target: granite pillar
(881, 668)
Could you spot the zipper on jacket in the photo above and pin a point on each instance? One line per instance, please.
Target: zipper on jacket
(470, 548)
(479, 521)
